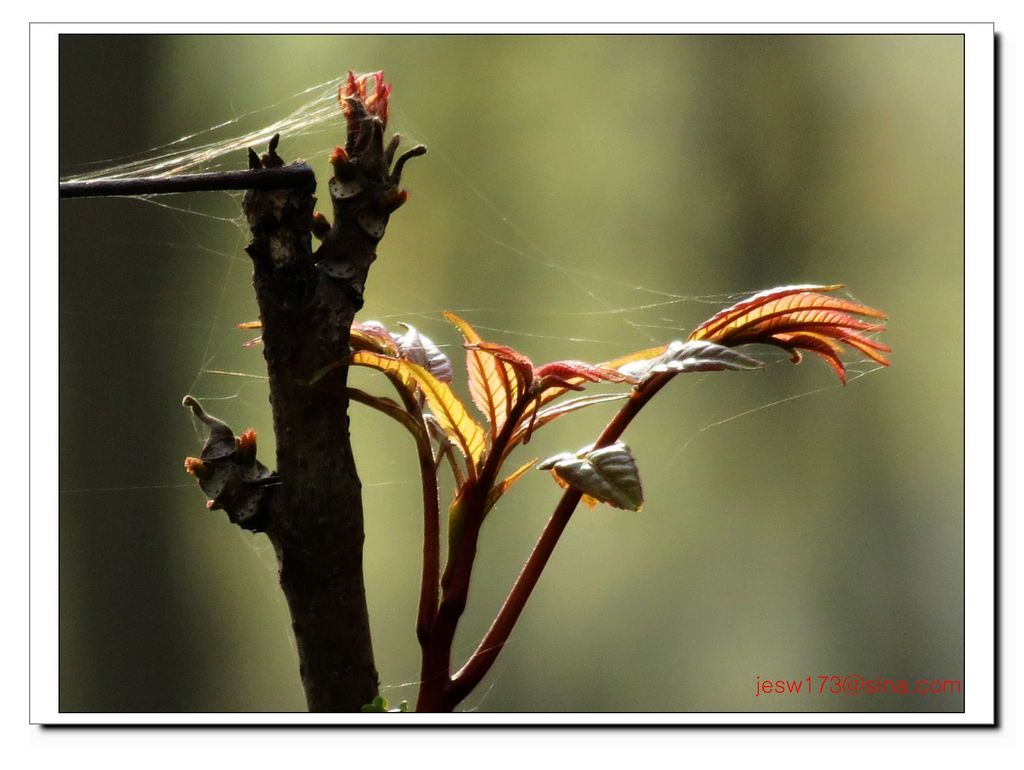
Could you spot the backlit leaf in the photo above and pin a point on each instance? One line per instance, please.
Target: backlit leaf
(639, 355)
(372, 336)
(452, 415)
(818, 344)
(608, 474)
(363, 335)
(521, 365)
(551, 393)
(692, 356)
(446, 407)
(493, 384)
(395, 367)
(572, 374)
(794, 317)
(722, 322)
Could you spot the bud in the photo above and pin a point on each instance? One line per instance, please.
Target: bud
(198, 468)
(246, 447)
(320, 226)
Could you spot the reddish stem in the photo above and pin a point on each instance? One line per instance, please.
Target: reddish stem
(431, 570)
(497, 635)
(431, 545)
(435, 687)
(412, 419)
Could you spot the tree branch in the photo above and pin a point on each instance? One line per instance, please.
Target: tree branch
(315, 521)
(294, 177)
(307, 301)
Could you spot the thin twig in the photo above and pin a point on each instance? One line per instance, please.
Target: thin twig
(295, 176)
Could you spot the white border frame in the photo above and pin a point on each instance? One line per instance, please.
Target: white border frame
(980, 462)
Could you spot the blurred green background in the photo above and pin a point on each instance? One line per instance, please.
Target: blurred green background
(583, 197)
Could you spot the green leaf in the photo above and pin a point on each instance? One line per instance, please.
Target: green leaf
(378, 705)
(608, 475)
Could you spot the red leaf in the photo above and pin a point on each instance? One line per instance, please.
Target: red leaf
(796, 317)
(568, 374)
(494, 384)
(522, 365)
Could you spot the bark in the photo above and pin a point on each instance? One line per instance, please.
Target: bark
(311, 506)
(314, 517)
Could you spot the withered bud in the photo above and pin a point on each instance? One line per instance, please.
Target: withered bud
(246, 447)
(198, 468)
(320, 226)
(342, 164)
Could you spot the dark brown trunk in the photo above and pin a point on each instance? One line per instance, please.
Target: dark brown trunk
(315, 516)
(311, 505)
